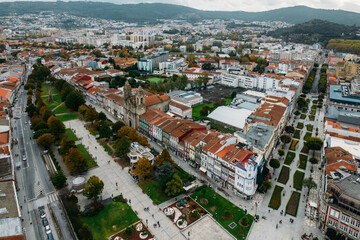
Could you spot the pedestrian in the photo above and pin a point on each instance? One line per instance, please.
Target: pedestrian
(159, 224)
(277, 226)
(269, 210)
(152, 215)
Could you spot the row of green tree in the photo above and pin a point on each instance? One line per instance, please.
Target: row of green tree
(73, 99)
(322, 85)
(309, 81)
(47, 127)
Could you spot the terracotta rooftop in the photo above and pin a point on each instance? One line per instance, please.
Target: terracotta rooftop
(336, 157)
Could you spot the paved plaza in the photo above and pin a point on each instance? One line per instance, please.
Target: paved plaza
(206, 228)
(112, 174)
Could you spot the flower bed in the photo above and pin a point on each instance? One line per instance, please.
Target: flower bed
(284, 175)
(305, 149)
(293, 144)
(298, 180)
(309, 127)
(297, 134)
(312, 117)
(307, 136)
(302, 161)
(293, 204)
(313, 112)
(300, 125)
(135, 232)
(289, 158)
(302, 116)
(275, 200)
(185, 215)
(219, 207)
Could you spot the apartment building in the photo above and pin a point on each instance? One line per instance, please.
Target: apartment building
(150, 62)
(340, 206)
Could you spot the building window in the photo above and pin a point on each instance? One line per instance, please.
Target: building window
(352, 222)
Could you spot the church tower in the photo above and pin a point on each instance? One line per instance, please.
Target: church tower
(140, 101)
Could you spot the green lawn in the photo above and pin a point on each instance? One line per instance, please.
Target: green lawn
(116, 214)
(153, 189)
(303, 160)
(69, 134)
(300, 125)
(275, 200)
(90, 161)
(217, 205)
(284, 175)
(45, 89)
(297, 134)
(220, 128)
(67, 117)
(307, 136)
(185, 176)
(155, 79)
(50, 105)
(293, 204)
(302, 116)
(60, 109)
(298, 180)
(196, 110)
(289, 158)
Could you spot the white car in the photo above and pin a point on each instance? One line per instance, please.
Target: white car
(24, 157)
(47, 229)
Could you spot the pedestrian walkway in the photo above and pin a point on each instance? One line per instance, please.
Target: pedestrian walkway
(266, 229)
(117, 181)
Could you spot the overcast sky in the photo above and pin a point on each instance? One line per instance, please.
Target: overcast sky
(250, 5)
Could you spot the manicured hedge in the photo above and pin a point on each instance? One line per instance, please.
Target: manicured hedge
(275, 200)
(284, 175)
(293, 204)
(307, 136)
(298, 180)
(309, 127)
(297, 134)
(289, 158)
(305, 149)
(302, 161)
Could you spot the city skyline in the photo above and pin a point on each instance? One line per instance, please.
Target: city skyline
(242, 5)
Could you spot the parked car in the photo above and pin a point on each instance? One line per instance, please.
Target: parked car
(50, 236)
(42, 214)
(24, 157)
(45, 222)
(47, 229)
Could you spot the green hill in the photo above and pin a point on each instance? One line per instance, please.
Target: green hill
(153, 11)
(316, 31)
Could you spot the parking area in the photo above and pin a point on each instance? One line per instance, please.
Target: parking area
(215, 93)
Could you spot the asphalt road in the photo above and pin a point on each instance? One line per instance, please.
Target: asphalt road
(34, 184)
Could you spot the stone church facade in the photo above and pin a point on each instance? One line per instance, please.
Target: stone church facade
(134, 106)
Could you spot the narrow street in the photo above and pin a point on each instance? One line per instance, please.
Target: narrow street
(35, 188)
